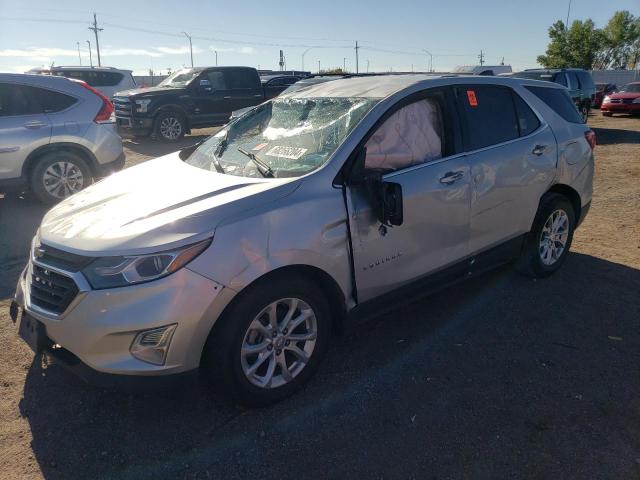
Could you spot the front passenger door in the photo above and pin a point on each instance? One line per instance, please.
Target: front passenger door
(415, 147)
(211, 99)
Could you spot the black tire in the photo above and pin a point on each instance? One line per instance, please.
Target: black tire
(75, 164)
(221, 361)
(607, 114)
(584, 112)
(530, 262)
(174, 131)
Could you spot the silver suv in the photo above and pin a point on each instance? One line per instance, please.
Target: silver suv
(241, 255)
(57, 135)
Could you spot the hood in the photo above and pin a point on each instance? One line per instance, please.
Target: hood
(624, 95)
(149, 91)
(154, 206)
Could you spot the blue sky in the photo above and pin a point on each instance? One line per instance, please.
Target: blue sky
(140, 35)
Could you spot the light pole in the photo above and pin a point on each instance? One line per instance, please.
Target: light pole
(430, 59)
(318, 67)
(568, 11)
(367, 65)
(79, 57)
(216, 52)
(303, 54)
(190, 47)
(344, 64)
(90, 57)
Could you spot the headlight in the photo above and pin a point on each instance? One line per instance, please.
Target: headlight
(636, 100)
(110, 272)
(606, 99)
(142, 104)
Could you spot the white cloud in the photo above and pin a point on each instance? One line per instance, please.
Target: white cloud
(243, 50)
(121, 52)
(39, 52)
(178, 50)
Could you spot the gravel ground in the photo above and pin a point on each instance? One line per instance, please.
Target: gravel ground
(499, 377)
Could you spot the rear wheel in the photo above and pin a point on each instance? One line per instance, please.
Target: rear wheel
(270, 343)
(170, 126)
(58, 175)
(550, 237)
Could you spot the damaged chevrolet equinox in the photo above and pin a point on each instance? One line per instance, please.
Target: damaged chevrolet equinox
(238, 257)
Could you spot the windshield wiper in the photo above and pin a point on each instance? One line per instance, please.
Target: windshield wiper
(263, 168)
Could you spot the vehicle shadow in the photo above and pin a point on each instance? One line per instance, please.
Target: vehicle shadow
(20, 215)
(611, 136)
(498, 371)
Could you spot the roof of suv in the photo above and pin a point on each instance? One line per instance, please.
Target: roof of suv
(550, 70)
(382, 86)
(35, 79)
(90, 69)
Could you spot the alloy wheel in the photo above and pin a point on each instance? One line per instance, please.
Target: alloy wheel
(170, 128)
(279, 343)
(553, 238)
(62, 179)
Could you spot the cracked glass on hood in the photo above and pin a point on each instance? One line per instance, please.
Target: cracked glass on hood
(291, 136)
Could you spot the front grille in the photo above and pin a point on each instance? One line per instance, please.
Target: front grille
(122, 106)
(50, 290)
(61, 259)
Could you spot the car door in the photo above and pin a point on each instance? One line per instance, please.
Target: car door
(23, 127)
(244, 88)
(415, 146)
(512, 155)
(210, 99)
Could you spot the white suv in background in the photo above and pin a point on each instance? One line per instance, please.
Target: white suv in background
(57, 135)
(107, 80)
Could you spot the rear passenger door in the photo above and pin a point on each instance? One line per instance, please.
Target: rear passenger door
(245, 89)
(23, 127)
(512, 154)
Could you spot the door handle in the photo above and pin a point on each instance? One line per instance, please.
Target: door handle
(539, 149)
(9, 149)
(227, 98)
(33, 125)
(451, 177)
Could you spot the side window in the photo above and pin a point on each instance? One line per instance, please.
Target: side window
(216, 79)
(559, 101)
(490, 115)
(290, 80)
(276, 82)
(412, 135)
(527, 120)
(585, 80)
(17, 100)
(239, 79)
(573, 81)
(561, 78)
(51, 101)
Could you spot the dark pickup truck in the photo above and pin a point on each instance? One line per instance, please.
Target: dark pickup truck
(189, 98)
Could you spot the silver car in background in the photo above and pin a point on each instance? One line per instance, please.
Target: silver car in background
(57, 135)
(241, 255)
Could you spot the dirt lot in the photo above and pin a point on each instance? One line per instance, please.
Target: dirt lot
(500, 377)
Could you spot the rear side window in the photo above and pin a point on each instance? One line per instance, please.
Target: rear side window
(527, 120)
(559, 101)
(561, 78)
(18, 100)
(585, 79)
(93, 78)
(240, 79)
(53, 102)
(490, 115)
(573, 81)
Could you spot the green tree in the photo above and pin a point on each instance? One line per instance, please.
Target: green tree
(578, 47)
(621, 42)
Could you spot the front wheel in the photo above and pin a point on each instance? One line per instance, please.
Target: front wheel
(550, 238)
(169, 126)
(270, 342)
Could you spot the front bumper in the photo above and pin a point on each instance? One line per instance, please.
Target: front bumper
(94, 334)
(620, 108)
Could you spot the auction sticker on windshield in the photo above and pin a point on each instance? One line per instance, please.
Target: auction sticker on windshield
(294, 153)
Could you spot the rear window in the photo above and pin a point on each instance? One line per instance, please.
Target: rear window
(559, 101)
(93, 78)
(527, 120)
(490, 115)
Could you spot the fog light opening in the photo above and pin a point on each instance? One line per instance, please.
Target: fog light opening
(152, 345)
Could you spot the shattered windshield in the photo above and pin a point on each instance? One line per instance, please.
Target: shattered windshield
(286, 137)
(179, 79)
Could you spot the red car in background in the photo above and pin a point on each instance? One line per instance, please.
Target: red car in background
(625, 100)
(602, 90)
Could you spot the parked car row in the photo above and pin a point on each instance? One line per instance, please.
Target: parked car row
(209, 259)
